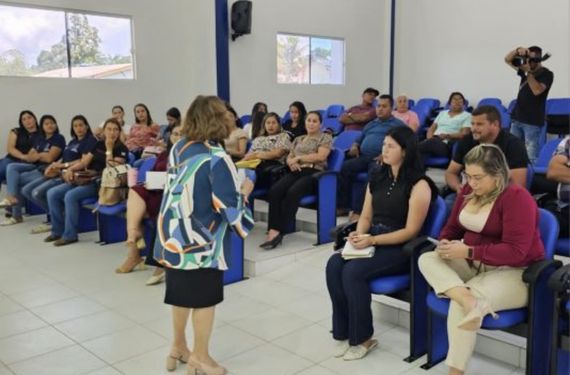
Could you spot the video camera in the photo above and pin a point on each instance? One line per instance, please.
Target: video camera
(519, 60)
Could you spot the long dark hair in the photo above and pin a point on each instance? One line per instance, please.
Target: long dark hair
(48, 117)
(412, 168)
(257, 119)
(84, 120)
(148, 116)
(233, 111)
(302, 111)
(26, 112)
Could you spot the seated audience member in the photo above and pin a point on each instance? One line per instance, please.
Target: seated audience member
(449, 126)
(143, 203)
(253, 128)
(397, 202)
(559, 171)
(143, 133)
(82, 141)
(173, 119)
(21, 142)
(236, 144)
(308, 156)
(63, 200)
(486, 128)
(402, 112)
(271, 147)
(118, 113)
(295, 126)
(490, 238)
(364, 153)
(359, 115)
(48, 150)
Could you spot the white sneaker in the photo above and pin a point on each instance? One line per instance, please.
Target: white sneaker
(359, 351)
(11, 221)
(341, 347)
(155, 279)
(42, 228)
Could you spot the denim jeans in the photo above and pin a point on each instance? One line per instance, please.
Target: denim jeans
(531, 135)
(18, 175)
(63, 203)
(36, 191)
(347, 283)
(3, 166)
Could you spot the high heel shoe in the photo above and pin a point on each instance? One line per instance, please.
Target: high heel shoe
(140, 266)
(272, 244)
(172, 361)
(473, 320)
(195, 367)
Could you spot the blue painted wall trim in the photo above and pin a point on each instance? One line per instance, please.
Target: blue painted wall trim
(222, 49)
(392, 44)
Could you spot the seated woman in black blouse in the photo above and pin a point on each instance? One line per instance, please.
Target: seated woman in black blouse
(395, 207)
(295, 126)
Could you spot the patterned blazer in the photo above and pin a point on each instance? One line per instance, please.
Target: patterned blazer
(201, 203)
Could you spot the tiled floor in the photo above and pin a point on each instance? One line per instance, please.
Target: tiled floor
(64, 311)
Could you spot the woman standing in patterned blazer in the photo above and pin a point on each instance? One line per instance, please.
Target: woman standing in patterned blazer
(202, 201)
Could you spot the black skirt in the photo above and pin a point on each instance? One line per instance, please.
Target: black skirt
(194, 288)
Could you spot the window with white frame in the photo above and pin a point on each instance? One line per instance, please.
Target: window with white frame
(310, 60)
(40, 42)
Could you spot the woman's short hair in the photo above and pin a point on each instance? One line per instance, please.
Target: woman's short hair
(206, 120)
(48, 117)
(148, 116)
(83, 120)
(118, 107)
(494, 163)
(265, 118)
(317, 113)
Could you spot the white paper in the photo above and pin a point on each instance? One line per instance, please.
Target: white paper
(155, 180)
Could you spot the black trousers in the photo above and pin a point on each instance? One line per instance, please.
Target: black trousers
(350, 168)
(263, 173)
(434, 147)
(347, 282)
(284, 197)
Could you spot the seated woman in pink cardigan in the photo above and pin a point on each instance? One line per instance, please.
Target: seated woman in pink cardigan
(490, 238)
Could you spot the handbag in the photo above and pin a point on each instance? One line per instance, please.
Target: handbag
(85, 177)
(114, 187)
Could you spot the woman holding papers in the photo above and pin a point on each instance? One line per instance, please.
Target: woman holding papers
(395, 206)
(143, 203)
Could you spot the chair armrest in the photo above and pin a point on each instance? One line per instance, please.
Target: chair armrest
(418, 245)
(317, 176)
(341, 231)
(560, 279)
(533, 272)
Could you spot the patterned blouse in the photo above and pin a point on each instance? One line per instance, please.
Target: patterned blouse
(201, 202)
(306, 144)
(142, 135)
(265, 143)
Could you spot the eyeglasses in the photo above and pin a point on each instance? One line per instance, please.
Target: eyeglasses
(476, 178)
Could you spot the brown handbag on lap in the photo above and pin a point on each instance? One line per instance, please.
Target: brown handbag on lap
(84, 177)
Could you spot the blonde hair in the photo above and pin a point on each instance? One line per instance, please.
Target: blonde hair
(206, 120)
(493, 162)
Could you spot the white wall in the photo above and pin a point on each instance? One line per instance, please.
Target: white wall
(364, 24)
(175, 57)
(448, 45)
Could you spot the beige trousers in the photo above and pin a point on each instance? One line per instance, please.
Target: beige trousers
(502, 287)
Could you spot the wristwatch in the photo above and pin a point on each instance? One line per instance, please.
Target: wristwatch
(469, 253)
(66, 165)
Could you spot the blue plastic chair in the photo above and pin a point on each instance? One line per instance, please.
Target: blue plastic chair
(392, 284)
(511, 106)
(545, 155)
(344, 140)
(334, 111)
(563, 247)
(286, 117)
(537, 315)
(111, 220)
(558, 115)
(440, 161)
(131, 158)
(431, 103)
(559, 282)
(495, 102)
(245, 119)
(333, 124)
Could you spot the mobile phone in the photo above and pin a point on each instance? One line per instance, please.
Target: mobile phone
(433, 241)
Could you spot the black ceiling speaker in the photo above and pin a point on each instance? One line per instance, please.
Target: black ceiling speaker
(241, 18)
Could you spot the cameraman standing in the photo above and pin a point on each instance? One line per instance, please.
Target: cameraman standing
(529, 114)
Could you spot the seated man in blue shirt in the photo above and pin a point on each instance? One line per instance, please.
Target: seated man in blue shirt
(364, 153)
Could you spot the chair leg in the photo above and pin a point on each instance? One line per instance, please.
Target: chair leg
(438, 344)
(419, 326)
